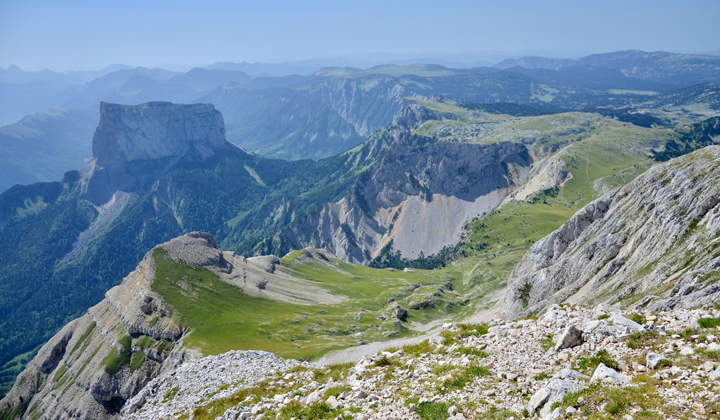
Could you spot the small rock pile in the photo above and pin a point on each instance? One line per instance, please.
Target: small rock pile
(572, 362)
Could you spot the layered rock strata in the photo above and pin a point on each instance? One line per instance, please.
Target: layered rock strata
(653, 242)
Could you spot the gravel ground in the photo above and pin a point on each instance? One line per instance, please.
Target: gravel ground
(667, 366)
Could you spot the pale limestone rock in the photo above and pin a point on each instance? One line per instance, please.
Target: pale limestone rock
(571, 337)
(652, 360)
(605, 374)
(602, 253)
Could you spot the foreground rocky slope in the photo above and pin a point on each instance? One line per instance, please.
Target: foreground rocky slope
(652, 243)
(572, 362)
(99, 361)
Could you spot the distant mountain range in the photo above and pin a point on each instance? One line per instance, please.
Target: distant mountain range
(657, 66)
(330, 110)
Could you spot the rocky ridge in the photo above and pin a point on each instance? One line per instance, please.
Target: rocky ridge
(99, 361)
(420, 194)
(572, 362)
(651, 243)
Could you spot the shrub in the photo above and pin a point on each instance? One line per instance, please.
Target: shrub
(639, 318)
(432, 411)
(709, 322)
(588, 364)
(642, 339)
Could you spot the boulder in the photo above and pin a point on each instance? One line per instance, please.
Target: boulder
(633, 326)
(571, 337)
(607, 375)
(561, 384)
(653, 359)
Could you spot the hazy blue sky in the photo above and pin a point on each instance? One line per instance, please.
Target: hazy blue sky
(82, 34)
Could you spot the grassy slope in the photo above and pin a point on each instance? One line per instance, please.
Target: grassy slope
(227, 319)
(603, 160)
(222, 318)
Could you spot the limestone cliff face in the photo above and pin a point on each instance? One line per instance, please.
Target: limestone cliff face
(651, 242)
(156, 130)
(134, 145)
(420, 201)
(418, 196)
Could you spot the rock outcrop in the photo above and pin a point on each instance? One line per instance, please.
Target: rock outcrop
(498, 369)
(96, 363)
(418, 197)
(134, 145)
(652, 242)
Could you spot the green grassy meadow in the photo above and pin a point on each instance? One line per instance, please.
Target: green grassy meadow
(222, 318)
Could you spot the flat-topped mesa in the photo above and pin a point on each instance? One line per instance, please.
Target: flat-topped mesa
(156, 130)
(135, 144)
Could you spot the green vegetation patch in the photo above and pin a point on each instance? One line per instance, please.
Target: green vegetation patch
(646, 339)
(256, 393)
(464, 331)
(32, 207)
(334, 372)
(548, 342)
(170, 394)
(115, 360)
(473, 330)
(639, 318)
(59, 373)
(90, 357)
(462, 378)
(255, 175)
(600, 402)
(432, 411)
(316, 411)
(222, 318)
(144, 342)
(709, 322)
(137, 360)
(82, 338)
(336, 390)
(587, 365)
(11, 413)
(418, 349)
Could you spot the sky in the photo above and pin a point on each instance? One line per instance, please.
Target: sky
(81, 35)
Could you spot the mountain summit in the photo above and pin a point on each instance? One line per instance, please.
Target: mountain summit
(134, 144)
